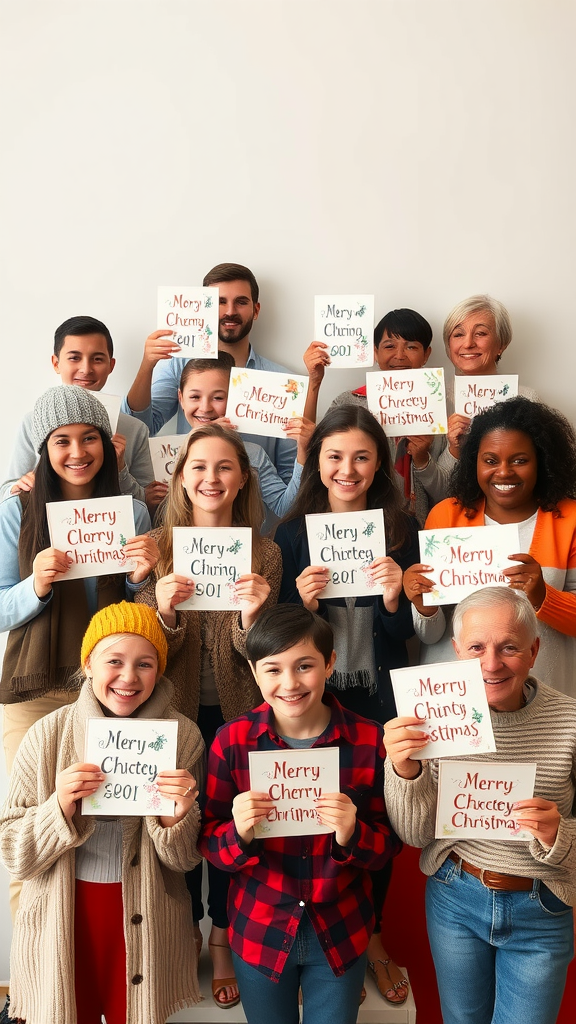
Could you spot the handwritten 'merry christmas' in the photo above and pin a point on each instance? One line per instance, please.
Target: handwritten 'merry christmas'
(346, 324)
(475, 799)
(464, 560)
(214, 558)
(192, 313)
(263, 402)
(347, 543)
(93, 534)
(408, 401)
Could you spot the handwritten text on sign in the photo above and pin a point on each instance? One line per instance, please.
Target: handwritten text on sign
(164, 453)
(346, 324)
(294, 779)
(262, 402)
(473, 394)
(408, 401)
(130, 752)
(347, 543)
(214, 558)
(192, 313)
(464, 559)
(451, 698)
(475, 799)
(92, 533)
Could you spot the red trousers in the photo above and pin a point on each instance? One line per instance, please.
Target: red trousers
(100, 953)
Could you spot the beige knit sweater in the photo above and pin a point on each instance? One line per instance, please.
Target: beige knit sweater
(37, 845)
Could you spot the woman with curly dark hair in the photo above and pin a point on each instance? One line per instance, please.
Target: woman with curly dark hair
(518, 465)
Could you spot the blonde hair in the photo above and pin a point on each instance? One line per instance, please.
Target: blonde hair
(479, 304)
(247, 508)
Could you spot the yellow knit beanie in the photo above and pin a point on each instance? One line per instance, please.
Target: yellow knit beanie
(125, 618)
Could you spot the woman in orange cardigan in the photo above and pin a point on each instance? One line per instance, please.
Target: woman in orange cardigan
(518, 465)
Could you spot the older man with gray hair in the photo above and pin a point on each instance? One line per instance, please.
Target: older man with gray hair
(499, 914)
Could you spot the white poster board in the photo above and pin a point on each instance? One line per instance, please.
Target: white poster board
(164, 453)
(346, 324)
(214, 558)
(408, 402)
(92, 532)
(451, 698)
(464, 559)
(262, 401)
(475, 799)
(347, 543)
(130, 752)
(293, 779)
(474, 394)
(112, 405)
(192, 312)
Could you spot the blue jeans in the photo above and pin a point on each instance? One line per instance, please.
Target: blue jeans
(325, 998)
(500, 957)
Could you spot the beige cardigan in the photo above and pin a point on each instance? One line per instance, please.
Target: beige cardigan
(37, 845)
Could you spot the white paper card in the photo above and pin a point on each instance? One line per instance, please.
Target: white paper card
(464, 559)
(346, 324)
(262, 401)
(474, 394)
(164, 453)
(214, 557)
(192, 313)
(130, 752)
(346, 543)
(92, 532)
(450, 696)
(475, 799)
(293, 779)
(408, 401)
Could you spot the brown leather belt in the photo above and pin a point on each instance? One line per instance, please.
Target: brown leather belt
(493, 879)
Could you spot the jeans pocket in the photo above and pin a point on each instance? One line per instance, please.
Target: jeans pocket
(446, 872)
(550, 903)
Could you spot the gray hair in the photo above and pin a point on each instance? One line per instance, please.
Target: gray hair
(479, 304)
(496, 597)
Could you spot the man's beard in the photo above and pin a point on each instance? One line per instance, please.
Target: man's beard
(230, 338)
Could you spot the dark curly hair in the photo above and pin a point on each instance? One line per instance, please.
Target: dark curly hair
(553, 438)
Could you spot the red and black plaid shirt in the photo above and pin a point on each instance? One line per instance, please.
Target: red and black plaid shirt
(274, 880)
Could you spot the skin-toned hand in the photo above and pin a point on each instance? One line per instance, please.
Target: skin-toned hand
(538, 816)
(248, 810)
(155, 493)
(403, 737)
(527, 577)
(146, 552)
(310, 584)
(316, 359)
(222, 421)
(170, 591)
(418, 446)
(458, 425)
(46, 567)
(252, 590)
(73, 783)
(388, 574)
(119, 443)
(177, 784)
(337, 811)
(25, 483)
(159, 345)
(416, 584)
(300, 430)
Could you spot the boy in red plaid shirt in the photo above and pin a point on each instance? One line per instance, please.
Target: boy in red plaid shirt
(300, 907)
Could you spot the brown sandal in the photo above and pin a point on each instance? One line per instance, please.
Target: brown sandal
(384, 977)
(220, 985)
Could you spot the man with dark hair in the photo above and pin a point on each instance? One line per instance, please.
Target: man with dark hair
(153, 397)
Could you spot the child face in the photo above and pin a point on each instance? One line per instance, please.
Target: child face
(76, 455)
(84, 360)
(292, 683)
(124, 669)
(347, 464)
(212, 478)
(396, 353)
(204, 397)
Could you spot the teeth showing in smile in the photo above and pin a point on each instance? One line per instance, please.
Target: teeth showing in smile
(124, 693)
(346, 483)
(295, 697)
(505, 487)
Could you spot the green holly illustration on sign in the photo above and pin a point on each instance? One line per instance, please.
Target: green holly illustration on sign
(477, 716)
(234, 547)
(158, 743)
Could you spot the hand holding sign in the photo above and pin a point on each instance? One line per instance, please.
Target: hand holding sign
(145, 552)
(159, 345)
(538, 816)
(310, 584)
(178, 785)
(252, 590)
(403, 738)
(171, 591)
(416, 584)
(339, 812)
(527, 577)
(47, 567)
(75, 782)
(248, 810)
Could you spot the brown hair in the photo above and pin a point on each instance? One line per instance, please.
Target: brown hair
(232, 272)
(224, 362)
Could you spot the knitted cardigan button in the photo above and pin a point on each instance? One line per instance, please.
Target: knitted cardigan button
(136, 918)
(137, 979)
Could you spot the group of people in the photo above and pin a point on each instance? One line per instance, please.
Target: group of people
(107, 911)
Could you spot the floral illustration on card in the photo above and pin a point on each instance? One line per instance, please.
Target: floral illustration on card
(361, 346)
(434, 380)
(231, 587)
(237, 379)
(153, 802)
(207, 302)
(292, 387)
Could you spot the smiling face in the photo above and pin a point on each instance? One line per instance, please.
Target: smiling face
(474, 347)
(84, 360)
(237, 311)
(507, 468)
(506, 650)
(212, 478)
(395, 353)
(76, 455)
(292, 683)
(347, 464)
(204, 397)
(124, 670)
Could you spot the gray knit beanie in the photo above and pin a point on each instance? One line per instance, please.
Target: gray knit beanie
(65, 404)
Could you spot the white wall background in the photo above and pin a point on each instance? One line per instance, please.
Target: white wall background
(422, 150)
